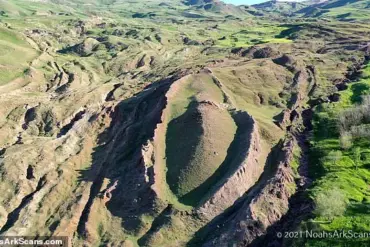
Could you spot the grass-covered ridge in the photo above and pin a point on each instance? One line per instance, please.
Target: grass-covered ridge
(340, 169)
(198, 132)
(15, 55)
(344, 10)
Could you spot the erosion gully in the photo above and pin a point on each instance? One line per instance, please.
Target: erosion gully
(300, 205)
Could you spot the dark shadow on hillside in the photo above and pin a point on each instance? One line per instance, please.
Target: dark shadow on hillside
(182, 139)
(162, 219)
(325, 126)
(339, 3)
(366, 166)
(343, 16)
(358, 209)
(291, 29)
(213, 227)
(118, 157)
(236, 154)
(359, 90)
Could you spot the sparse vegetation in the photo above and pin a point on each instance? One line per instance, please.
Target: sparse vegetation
(346, 140)
(330, 204)
(341, 171)
(167, 123)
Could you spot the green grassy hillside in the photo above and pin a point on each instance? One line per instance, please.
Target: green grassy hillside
(15, 55)
(344, 10)
(339, 166)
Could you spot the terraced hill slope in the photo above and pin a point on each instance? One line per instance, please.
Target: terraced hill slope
(179, 123)
(340, 9)
(343, 10)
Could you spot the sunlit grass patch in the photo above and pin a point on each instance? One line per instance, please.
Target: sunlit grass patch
(346, 170)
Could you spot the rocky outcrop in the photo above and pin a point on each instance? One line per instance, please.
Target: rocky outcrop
(126, 146)
(134, 127)
(286, 61)
(283, 119)
(303, 84)
(257, 52)
(265, 209)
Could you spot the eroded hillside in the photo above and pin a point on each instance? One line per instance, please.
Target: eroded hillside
(165, 123)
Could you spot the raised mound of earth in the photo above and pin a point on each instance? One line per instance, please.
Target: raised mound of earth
(197, 137)
(198, 114)
(193, 123)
